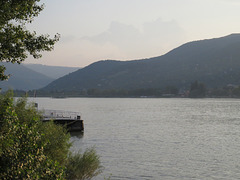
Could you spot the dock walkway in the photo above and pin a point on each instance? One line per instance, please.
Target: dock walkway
(71, 120)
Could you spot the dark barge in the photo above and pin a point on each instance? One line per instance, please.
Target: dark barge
(71, 120)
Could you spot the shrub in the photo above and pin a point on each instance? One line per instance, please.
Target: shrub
(22, 149)
(57, 141)
(83, 166)
(31, 149)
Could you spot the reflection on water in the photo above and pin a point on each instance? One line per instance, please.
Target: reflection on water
(77, 134)
(159, 138)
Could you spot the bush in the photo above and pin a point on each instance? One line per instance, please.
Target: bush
(31, 149)
(57, 141)
(83, 166)
(22, 148)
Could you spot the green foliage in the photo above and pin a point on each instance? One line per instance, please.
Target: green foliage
(26, 112)
(153, 92)
(197, 90)
(55, 136)
(15, 40)
(32, 149)
(236, 92)
(22, 147)
(220, 92)
(57, 140)
(171, 90)
(5, 102)
(83, 166)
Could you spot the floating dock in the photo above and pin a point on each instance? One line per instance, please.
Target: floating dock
(71, 120)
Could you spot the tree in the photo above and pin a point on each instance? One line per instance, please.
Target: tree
(197, 90)
(16, 42)
(22, 146)
(171, 90)
(32, 149)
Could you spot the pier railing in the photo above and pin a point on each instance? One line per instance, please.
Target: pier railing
(71, 120)
(59, 114)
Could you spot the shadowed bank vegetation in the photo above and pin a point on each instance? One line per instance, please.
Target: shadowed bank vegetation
(31, 149)
(195, 90)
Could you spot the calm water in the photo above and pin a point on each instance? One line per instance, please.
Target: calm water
(159, 138)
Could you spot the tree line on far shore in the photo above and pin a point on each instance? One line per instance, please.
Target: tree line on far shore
(196, 90)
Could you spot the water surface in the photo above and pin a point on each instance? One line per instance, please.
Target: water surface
(141, 138)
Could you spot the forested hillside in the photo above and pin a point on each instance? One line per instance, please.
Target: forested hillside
(215, 62)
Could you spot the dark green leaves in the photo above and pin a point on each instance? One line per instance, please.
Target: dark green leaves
(16, 42)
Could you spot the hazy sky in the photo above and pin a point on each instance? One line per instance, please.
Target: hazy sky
(93, 30)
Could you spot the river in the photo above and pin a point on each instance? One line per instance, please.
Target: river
(144, 138)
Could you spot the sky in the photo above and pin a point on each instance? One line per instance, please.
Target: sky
(93, 30)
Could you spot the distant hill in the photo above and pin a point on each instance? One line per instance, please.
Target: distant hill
(32, 76)
(215, 62)
(53, 72)
(23, 78)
